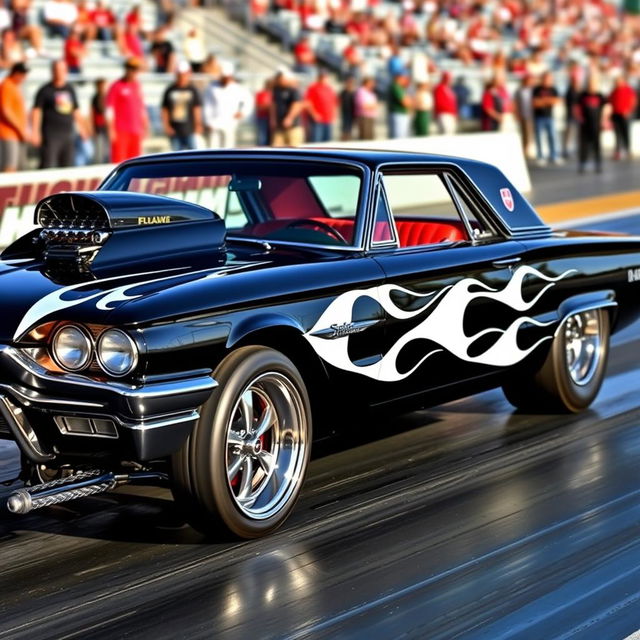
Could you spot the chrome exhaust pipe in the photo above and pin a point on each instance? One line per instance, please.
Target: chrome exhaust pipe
(79, 485)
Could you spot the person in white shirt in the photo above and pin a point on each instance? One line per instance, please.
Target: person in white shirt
(59, 16)
(225, 104)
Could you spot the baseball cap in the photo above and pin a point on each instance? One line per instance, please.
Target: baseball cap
(226, 69)
(19, 67)
(183, 67)
(133, 63)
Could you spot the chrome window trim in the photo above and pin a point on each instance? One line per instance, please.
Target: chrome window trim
(394, 241)
(503, 232)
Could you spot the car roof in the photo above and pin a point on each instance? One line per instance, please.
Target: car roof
(370, 157)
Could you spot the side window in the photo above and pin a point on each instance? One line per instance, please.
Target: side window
(424, 195)
(383, 232)
(433, 208)
(480, 226)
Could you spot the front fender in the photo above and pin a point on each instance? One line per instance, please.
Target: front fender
(260, 322)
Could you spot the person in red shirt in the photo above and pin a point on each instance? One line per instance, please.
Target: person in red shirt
(623, 105)
(127, 120)
(104, 23)
(445, 105)
(304, 55)
(74, 50)
(322, 103)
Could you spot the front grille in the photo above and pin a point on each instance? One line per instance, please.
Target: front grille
(71, 211)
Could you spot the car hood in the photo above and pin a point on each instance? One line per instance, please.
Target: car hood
(31, 296)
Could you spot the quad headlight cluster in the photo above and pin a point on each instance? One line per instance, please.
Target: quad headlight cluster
(73, 348)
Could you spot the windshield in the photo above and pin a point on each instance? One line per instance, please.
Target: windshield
(301, 202)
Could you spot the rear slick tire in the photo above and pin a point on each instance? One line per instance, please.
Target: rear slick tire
(240, 472)
(572, 374)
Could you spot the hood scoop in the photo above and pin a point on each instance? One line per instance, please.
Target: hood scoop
(84, 233)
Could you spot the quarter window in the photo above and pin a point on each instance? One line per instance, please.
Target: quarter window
(432, 208)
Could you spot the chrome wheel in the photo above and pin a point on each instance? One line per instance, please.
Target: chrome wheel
(265, 445)
(583, 345)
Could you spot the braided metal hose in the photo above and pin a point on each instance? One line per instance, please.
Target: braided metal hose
(58, 482)
(56, 491)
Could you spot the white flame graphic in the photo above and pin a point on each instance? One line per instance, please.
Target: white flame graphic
(444, 325)
(55, 301)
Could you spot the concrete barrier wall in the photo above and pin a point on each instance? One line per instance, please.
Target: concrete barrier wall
(19, 192)
(501, 149)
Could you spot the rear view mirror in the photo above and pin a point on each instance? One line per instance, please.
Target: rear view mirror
(245, 183)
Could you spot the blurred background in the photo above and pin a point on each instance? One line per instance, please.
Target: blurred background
(93, 82)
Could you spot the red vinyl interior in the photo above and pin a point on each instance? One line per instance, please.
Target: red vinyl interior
(412, 233)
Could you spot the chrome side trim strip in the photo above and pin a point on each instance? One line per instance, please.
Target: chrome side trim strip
(27, 399)
(171, 388)
(159, 423)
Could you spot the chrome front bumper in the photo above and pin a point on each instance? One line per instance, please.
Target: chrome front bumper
(152, 419)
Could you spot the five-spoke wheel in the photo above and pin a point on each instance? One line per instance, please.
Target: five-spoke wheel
(243, 466)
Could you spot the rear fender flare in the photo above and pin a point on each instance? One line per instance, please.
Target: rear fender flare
(605, 299)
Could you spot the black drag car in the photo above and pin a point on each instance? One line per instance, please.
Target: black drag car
(191, 319)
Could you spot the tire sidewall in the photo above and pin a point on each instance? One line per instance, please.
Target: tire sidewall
(208, 449)
(573, 396)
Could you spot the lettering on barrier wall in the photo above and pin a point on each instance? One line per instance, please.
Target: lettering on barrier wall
(17, 203)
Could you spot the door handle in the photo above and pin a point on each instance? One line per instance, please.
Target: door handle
(506, 262)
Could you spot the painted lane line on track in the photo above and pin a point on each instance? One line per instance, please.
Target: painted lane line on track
(586, 207)
(597, 219)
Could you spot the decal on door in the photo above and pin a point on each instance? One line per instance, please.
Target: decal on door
(443, 324)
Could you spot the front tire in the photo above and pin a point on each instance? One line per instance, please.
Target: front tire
(241, 470)
(572, 374)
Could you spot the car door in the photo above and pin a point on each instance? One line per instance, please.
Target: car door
(452, 295)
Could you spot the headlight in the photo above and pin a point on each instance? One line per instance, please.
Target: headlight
(71, 348)
(117, 352)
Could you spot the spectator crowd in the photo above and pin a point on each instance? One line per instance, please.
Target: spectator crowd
(559, 105)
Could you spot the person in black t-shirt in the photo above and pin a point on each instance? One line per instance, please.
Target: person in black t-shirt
(286, 109)
(99, 122)
(545, 97)
(54, 117)
(163, 52)
(182, 111)
(348, 108)
(571, 126)
(590, 110)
